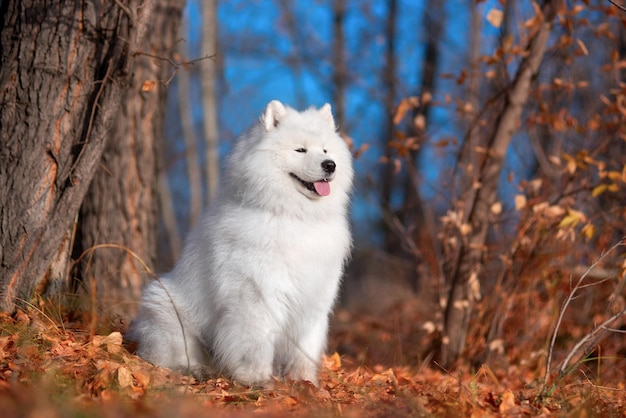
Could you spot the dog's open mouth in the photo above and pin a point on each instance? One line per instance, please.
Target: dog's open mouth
(321, 187)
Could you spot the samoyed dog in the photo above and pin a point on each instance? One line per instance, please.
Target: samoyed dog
(252, 292)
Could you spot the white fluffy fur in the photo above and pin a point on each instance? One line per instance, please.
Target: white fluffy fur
(259, 274)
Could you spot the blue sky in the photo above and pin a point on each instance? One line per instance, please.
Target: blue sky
(256, 40)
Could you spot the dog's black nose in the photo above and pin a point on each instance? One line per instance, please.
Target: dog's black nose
(329, 166)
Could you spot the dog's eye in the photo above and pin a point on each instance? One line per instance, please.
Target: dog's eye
(301, 150)
(325, 152)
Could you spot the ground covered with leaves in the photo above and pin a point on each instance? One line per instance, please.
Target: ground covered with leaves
(57, 367)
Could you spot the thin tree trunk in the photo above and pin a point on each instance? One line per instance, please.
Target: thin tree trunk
(473, 88)
(389, 174)
(192, 161)
(467, 269)
(65, 71)
(413, 211)
(168, 217)
(209, 95)
(339, 62)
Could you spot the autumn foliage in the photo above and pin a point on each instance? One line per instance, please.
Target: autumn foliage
(543, 332)
(68, 364)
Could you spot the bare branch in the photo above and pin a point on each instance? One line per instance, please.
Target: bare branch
(126, 10)
(569, 299)
(174, 64)
(618, 331)
(619, 6)
(589, 340)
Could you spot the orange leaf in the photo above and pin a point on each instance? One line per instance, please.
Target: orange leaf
(508, 402)
(332, 362)
(588, 231)
(615, 175)
(598, 190)
(534, 22)
(148, 85)
(124, 377)
(404, 106)
(613, 188)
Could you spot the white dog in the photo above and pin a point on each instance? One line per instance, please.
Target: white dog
(252, 292)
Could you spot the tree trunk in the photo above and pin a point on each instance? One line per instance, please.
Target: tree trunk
(120, 207)
(410, 234)
(389, 174)
(413, 211)
(463, 276)
(65, 69)
(339, 63)
(209, 95)
(187, 122)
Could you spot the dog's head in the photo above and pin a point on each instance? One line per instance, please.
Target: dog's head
(308, 149)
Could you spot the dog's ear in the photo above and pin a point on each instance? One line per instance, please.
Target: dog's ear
(327, 114)
(274, 112)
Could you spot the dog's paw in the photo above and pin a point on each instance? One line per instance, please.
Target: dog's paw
(201, 373)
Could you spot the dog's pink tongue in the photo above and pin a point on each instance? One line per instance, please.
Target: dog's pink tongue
(322, 188)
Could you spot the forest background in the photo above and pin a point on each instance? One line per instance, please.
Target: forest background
(488, 215)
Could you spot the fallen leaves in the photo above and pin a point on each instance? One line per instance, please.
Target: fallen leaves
(52, 369)
(112, 342)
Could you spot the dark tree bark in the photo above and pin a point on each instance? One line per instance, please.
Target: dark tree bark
(390, 78)
(413, 211)
(66, 70)
(121, 205)
(340, 73)
(407, 232)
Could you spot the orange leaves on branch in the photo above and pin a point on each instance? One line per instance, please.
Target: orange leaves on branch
(579, 161)
(495, 17)
(534, 23)
(601, 188)
(615, 178)
(588, 231)
(570, 221)
(410, 104)
(573, 218)
(549, 211)
(356, 152)
(404, 106)
(403, 144)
